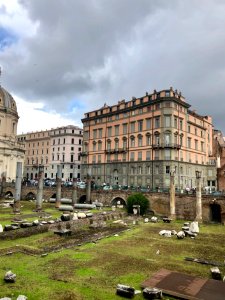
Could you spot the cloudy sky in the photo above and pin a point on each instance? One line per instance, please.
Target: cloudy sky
(61, 58)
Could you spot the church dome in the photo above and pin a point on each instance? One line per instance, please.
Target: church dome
(6, 101)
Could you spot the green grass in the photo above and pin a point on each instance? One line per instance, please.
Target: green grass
(92, 271)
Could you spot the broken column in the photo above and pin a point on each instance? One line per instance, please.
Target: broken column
(40, 188)
(3, 181)
(58, 186)
(198, 197)
(19, 171)
(88, 187)
(74, 193)
(172, 196)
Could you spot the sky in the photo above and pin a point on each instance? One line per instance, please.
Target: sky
(60, 59)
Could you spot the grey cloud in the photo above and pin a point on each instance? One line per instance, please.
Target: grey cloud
(103, 51)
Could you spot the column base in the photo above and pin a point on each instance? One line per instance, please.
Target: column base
(173, 216)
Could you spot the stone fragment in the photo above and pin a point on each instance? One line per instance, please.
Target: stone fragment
(194, 227)
(36, 222)
(154, 219)
(146, 220)
(152, 293)
(21, 297)
(10, 277)
(181, 235)
(8, 227)
(173, 232)
(125, 291)
(81, 215)
(167, 220)
(215, 272)
(74, 217)
(65, 217)
(1, 228)
(5, 298)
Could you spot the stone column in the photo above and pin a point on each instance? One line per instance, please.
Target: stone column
(40, 189)
(198, 197)
(3, 181)
(172, 196)
(74, 193)
(58, 186)
(88, 187)
(16, 206)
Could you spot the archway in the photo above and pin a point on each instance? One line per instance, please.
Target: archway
(30, 196)
(82, 199)
(8, 195)
(215, 210)
(118, 201)
(53, 196)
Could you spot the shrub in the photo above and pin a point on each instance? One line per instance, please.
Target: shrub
(137, 199)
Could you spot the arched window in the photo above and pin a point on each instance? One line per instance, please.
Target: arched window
(124, 143)
(99, 145)
(116, 144)
(108, 145)
(94, 146)
(148, 139)
(132, 141)
(139, 140)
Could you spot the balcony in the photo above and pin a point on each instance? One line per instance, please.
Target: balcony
(166, 145)
(84, 153)
(116, 150)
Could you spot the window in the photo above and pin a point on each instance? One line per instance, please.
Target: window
(132, 141)
(99, 158)
(100, 133)
(72, 149)
(167, 94)
(167, 169)
(132, 156)
(202, 146)
(196, 145)
(189, 129)
(167, 154)
(140, 170)
(117, 130)
(132, 127)
(140, 125)
(140, 141)
(109, 131)
(58, 141)
(139, 155)
(94, 146)
(181, 124)
(124, 128)
(148, 140)
(157, 154)
(72, 141)
(71, 158)
(157, 139)
(148, 123)
(108, 145)
(167, 120)
(116, 144)
(124, 143)
(189, 142)
(157, 122)
(148, 155)
(94, 133)
(167, 139)
(99, 146)
(196, 131)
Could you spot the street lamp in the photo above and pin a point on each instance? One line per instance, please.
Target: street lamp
(198, 196)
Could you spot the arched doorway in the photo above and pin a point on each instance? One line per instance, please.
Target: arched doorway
(8, 195)
(82, 199)
(30, 196)
(215, 210)
(118, 201)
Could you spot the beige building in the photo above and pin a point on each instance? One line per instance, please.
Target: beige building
(139, 142)
(11, 150)
(49, 148)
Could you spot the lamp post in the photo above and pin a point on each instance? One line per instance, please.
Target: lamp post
(74, 193)
(58, 185)
(198, 196)
(88, 186)
(172, 195)
(39, 197)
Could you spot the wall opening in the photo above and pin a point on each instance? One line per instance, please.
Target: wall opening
(215, 210)
(82, 199)
(118, 201)
(30, 196)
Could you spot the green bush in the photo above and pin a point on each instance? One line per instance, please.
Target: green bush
(137, 199)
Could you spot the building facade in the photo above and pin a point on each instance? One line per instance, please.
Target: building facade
(49, 148)
(11, 150)
(141, 141)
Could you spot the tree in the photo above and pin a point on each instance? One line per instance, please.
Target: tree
(137, 199)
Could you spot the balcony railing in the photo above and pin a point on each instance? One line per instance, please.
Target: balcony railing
(84, 153)
(166, 145)
(116, 150)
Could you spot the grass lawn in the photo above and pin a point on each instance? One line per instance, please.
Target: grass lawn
(93, 270)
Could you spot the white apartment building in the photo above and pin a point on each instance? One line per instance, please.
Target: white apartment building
(49, 148)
